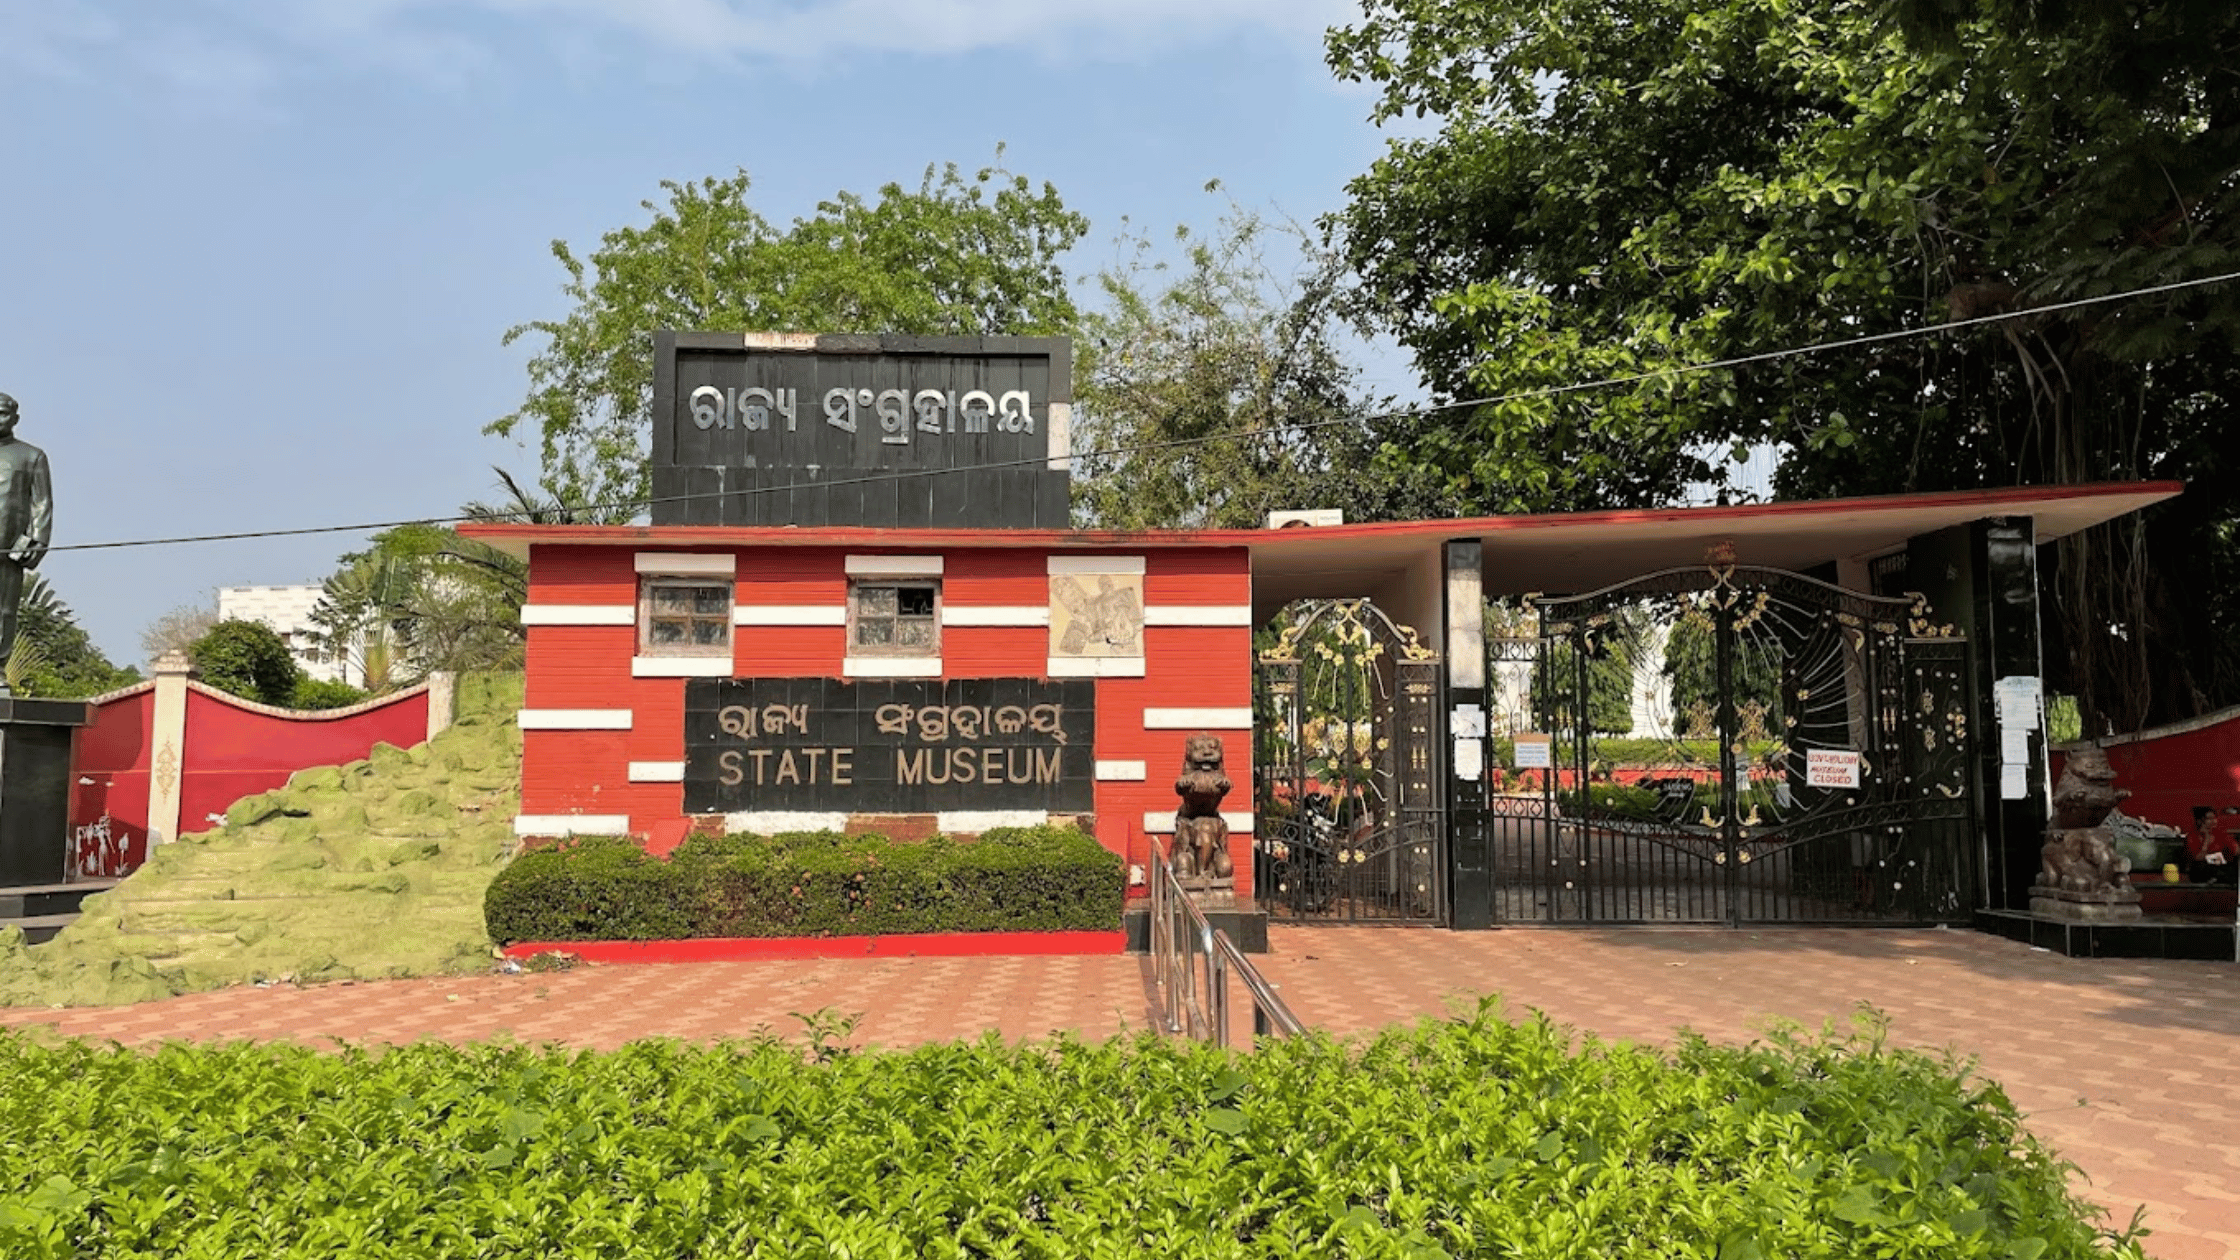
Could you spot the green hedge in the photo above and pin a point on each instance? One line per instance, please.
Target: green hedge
(1460, 1139)
(808, 884)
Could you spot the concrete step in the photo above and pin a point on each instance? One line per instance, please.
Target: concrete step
(22, 901)
(38, 927)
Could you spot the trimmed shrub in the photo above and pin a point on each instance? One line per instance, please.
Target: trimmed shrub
(247, 659)
(319, 693)
(1460, 1139)
(1045, 878)
(1611, 799)
(596, 888)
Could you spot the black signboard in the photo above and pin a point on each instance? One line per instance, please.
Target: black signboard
(902, 746)
(779, 429)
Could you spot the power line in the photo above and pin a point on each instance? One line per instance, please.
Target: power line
(1409, 413)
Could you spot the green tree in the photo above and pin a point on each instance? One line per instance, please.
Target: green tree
(54, 657)
(1621, 186)
(425, 598)
(1213, 389)
(248, 659)
(957, 255)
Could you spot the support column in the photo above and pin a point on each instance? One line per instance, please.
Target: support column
(2011, 702)
(1469, 829)
(1982, 578)
(167, 738)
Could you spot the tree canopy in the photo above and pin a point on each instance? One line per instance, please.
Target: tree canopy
(248, 659)
(1615, 187)
(54, 657)
(1214, 389)
(959, 255)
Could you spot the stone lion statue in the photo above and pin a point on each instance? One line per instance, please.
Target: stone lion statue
(1201, 838)
(2080, 854)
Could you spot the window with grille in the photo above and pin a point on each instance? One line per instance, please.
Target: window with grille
(894, 618)
(684, 617)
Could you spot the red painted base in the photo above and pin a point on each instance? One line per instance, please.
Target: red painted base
(755, 948)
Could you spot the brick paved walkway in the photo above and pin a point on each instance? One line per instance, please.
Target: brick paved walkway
(2123, 1066)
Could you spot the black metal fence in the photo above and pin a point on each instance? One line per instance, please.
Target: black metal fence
(1350, 811)
(1729, 745)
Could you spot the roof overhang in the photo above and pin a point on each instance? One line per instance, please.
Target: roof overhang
(1572, 551)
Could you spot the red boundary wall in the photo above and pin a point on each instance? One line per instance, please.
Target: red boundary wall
(230, 748)
(109, 785)
(2170, 770)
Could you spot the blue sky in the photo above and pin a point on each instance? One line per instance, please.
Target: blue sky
(256, 256)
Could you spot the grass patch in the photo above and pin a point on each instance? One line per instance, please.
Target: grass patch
(1473, 1137)
(1015, 879)
(369, 870)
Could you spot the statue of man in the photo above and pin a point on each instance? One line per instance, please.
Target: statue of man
(26, 521)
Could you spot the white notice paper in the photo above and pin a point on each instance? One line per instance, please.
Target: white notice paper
(2014, 783)
(2017, 699)
(1831, 768)
(1467, 721)
(2014, 746)
(1535, 752)
(1469, 759)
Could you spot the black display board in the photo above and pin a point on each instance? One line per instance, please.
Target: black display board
(900, 746)
(775, 429)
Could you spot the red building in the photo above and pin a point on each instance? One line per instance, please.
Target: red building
(858, 607)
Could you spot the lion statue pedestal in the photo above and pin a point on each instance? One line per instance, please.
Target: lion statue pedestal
(2083, 878)
(1201, 861)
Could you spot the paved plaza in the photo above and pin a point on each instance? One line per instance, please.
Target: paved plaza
(2124, 1066)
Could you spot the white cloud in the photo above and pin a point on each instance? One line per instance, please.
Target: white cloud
(230, 47)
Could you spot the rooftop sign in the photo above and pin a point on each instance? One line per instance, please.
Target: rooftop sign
(807, 429)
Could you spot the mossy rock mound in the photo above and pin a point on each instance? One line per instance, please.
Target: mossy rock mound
(370, 870)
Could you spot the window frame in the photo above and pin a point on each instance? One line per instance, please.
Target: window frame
(856, 587)
(648, 583)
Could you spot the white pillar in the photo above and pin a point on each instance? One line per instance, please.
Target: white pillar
(167, 736)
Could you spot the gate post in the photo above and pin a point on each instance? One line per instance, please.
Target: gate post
(1469, 839)
(1729, 726)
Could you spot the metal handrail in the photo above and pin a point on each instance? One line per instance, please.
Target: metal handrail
(1194, 995)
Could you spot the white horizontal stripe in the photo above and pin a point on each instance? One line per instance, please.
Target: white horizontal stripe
(789, 615)
(771, 822)
(571, 825)
(971, 822)
(1093, 667)
(1198, 615)
(1240, 824)
(575, 719)
(657, 772)
(1209, 719)
(688, 563)
(1123, 770)
(891, 667)
(986, 615)
(578, 615)
(1091, 564)
(681, 666)
(894, 566)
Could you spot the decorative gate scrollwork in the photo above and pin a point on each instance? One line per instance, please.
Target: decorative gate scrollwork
(1809, 762)
(1350, 820)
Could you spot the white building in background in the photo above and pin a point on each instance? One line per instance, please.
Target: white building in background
(287, 609)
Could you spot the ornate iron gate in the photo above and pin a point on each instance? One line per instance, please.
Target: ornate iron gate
(1351, 820)
(1736, 745)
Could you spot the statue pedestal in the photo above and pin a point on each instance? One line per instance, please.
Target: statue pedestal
(2120, 905)
(35, 788)
(1208, 892)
